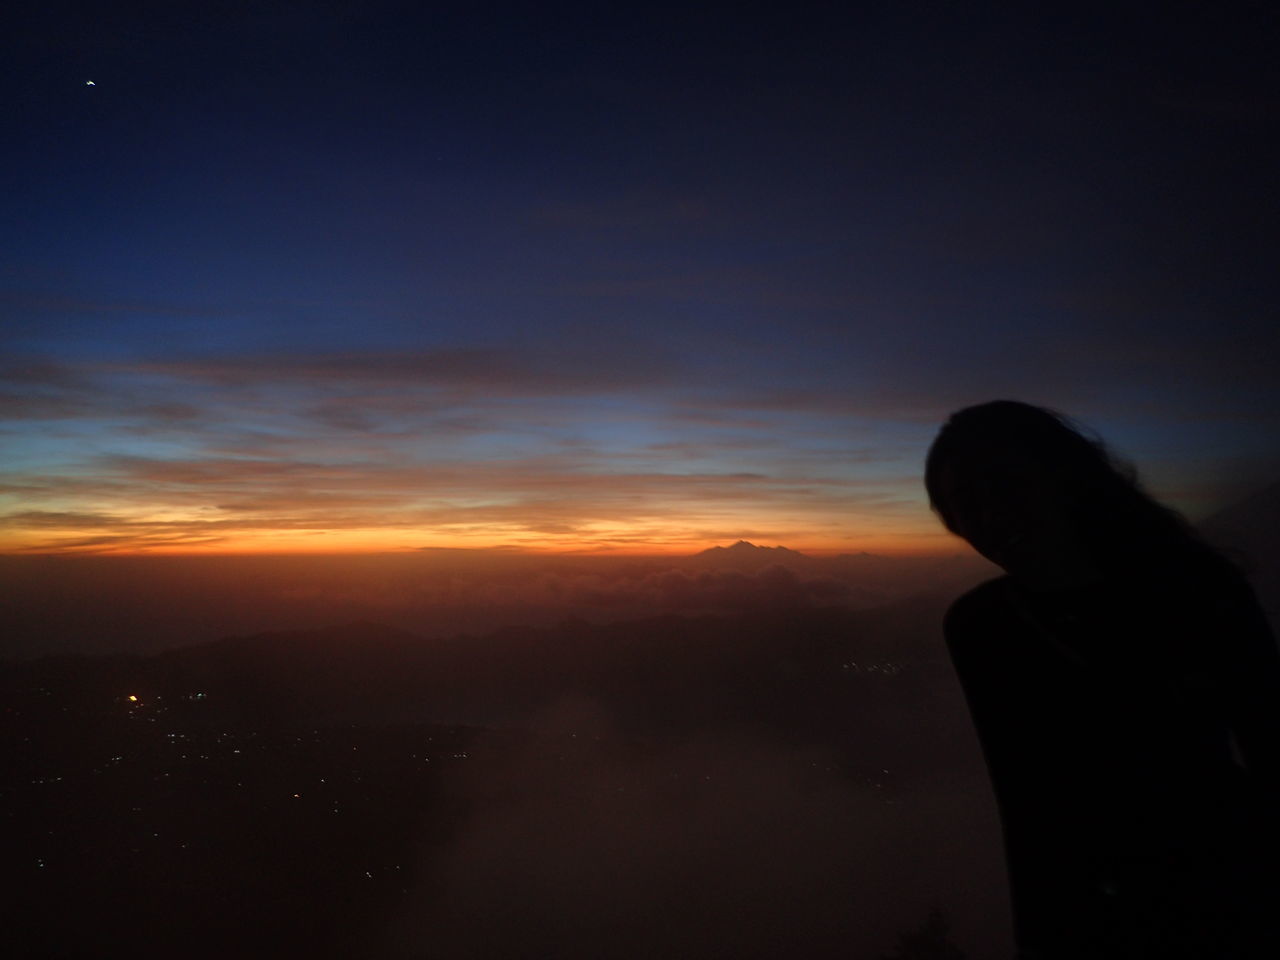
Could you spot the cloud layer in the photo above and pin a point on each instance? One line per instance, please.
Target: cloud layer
(445, 447)
(550, 449)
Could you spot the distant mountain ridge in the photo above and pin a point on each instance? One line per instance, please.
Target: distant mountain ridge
(1248, 531)
(744, 549)
(1254, 521)
(862, 570)
(784, 662)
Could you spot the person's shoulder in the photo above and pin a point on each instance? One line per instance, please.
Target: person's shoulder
(977, 606)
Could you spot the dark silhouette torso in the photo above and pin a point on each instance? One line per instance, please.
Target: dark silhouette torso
(1132, 732)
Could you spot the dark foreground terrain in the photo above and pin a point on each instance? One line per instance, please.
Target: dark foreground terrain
(678, 786)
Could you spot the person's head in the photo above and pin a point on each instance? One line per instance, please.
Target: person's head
(1027, 488)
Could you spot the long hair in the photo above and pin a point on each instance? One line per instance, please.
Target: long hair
(1118, 521)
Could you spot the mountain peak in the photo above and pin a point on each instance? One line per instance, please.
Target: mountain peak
(746, 549)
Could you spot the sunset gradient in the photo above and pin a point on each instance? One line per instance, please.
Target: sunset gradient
(387, 278)
(458, 449)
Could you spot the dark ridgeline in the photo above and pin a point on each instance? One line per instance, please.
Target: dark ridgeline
(1125, 685)
(145, 604)
(292, 794)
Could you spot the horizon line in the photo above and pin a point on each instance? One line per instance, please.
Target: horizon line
(500, 550)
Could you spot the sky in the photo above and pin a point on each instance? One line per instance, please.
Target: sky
(327, 277)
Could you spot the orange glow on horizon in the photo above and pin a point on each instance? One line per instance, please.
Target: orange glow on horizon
(352, 544)
(662, 528)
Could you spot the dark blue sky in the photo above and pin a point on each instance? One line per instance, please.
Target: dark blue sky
(575, 277)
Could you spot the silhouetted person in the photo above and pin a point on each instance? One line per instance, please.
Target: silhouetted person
(1125, 687)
